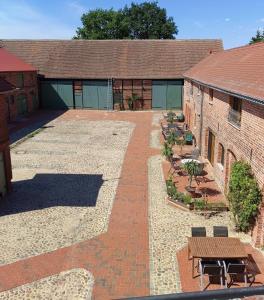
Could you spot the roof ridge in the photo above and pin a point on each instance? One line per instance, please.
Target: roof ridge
(246, 46)
(111, 40)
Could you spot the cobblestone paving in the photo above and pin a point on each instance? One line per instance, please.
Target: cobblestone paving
(74, 284)
(85, 157)
(169, 228)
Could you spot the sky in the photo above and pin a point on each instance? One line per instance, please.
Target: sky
(234, 21)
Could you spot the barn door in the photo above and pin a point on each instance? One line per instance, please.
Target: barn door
(159, 94)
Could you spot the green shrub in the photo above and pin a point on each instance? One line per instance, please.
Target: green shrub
(167, 151)
(244, 195)
(171, 138)
(171, 188)
(200, 204)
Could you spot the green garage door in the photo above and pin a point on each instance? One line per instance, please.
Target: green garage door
(57, 94)
(95, 94)
(167, 94)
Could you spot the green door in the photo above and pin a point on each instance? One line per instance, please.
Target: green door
(95, 94)
(90, 95)
(159, 94)
(167, 94)
(2, 175)
(21, 102)
(102, 94)
(174, 94)
(57, 94)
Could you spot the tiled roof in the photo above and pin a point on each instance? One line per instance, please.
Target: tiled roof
(11, 63)
(239, 71)
(5, 86)
(101, 59)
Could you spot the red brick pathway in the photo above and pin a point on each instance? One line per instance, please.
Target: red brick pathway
(118, 259)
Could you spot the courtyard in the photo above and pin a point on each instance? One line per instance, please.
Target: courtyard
(89, 205)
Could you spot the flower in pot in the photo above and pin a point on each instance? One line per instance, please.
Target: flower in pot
(180, 142)
(167, 151)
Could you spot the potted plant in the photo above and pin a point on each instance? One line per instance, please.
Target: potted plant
(171, 138)
(167, 151)
(180, 142)
(192, 169)
(132, 100)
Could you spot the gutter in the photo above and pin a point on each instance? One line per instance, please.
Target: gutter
(241, 96)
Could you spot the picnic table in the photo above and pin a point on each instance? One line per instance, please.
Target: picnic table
(215, 248)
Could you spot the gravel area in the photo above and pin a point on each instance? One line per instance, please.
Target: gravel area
(64, 181)
(155, 139)
(76, 284)
(156, 118)
(169, 228)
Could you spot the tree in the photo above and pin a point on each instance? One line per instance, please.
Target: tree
(148, 21)
(258, 38)
(139, 21)
(102, 24)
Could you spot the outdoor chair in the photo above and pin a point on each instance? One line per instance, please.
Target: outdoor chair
(212, 269)
(235, 269)
(220, 231)
(198, 231)
(188, 138)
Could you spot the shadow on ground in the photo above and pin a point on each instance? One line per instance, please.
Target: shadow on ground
(26, 125)
(49, 190)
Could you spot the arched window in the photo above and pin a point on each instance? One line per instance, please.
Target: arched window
(221, 154)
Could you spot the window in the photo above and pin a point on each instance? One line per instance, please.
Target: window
(191, 89)
(221, 154)
(199, 90)
(235, 111)
(20, 80)
(211, 95)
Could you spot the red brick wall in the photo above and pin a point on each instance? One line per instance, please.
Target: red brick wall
(242, 143)
(30, 86)
(4, 141)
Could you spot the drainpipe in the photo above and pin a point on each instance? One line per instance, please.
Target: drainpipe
(201, 123)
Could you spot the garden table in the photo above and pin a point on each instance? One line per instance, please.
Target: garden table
(215, 248)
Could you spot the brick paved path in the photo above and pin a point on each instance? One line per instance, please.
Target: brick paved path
(119, 259)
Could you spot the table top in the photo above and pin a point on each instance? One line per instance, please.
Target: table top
(216, 247)
(186, 160)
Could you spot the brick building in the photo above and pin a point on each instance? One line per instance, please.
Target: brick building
(23, 99)
(6, 89)
(103, 74)
(224, 107)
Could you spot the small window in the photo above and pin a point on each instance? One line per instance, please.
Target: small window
(20, 80)
(191, 89)
(221, 154)
(235, 111)
(211, 95)
(199, 90)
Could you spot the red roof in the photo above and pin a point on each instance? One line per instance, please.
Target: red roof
(239, 71)
(10, 63)
(101, 59)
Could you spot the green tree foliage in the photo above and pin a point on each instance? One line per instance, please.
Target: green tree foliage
(139, 21)
(259, 37)
(244, 195)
